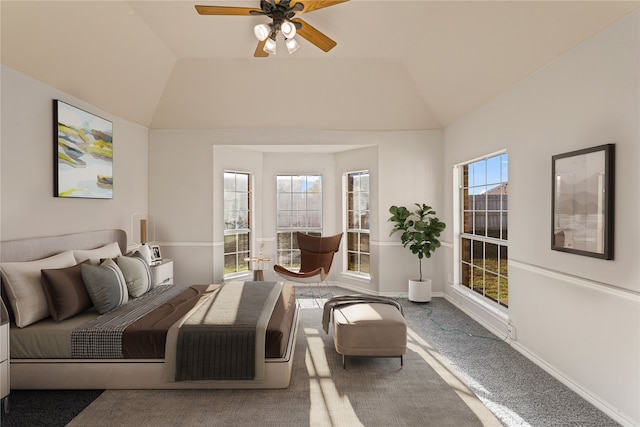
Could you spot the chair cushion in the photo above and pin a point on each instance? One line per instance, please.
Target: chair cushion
(371, 329)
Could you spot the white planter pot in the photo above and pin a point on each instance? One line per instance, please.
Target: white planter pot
(420, 291)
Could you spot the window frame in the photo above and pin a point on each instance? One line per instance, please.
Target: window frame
(499, 243)
(292, 259)
(359, 232)
(241, 266)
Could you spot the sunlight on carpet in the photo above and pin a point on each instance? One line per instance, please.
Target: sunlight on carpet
(447, 373)
(371, 392)
(327, 406)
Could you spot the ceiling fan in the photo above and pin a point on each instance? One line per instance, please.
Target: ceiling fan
(282, 14)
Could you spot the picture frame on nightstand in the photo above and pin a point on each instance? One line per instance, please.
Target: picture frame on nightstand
(156, 254)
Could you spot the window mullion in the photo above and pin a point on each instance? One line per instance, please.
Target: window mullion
(486, 239)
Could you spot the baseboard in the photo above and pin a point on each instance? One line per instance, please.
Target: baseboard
(366, 291)
(496, 325)
(605, 407)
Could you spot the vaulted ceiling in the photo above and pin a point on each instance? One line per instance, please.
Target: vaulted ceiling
(412, 64)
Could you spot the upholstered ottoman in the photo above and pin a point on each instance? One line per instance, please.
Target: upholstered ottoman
(369, 329)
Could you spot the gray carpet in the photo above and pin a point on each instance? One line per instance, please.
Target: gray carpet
(517, 391)
(370, 392)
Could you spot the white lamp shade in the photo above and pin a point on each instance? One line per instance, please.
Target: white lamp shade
(288, 29)
(270, 46)
(292, 45)
(261, 31)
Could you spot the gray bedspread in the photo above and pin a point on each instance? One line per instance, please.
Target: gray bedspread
(224, 338)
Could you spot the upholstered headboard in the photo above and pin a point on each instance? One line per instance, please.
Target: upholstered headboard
(41, 247)
(36, 248)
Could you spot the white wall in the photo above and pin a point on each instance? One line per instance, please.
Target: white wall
(578, 317)
(187, 165)
(409, 173)
(28, 207)
(299, 164)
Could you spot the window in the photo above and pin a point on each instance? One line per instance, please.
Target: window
(299, 208)
(484, 228)
(358, 252)
(237, 222)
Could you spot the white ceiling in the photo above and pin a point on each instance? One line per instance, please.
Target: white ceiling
(413, 64)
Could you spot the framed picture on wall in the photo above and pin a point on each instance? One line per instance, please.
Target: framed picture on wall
(83, 153)
(583, 201)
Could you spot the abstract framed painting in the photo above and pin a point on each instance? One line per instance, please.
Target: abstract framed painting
(83, 153)
(583, 201)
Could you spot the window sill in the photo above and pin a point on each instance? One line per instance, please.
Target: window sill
(487, 305)
(236, 276)
(365, 278)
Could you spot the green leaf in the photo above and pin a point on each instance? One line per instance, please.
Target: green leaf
(420, 229)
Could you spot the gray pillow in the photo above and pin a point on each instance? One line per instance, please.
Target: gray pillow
(137, 275)
(106, 285)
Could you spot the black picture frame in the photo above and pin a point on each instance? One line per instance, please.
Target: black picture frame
(583, 186)
(156, 254)
(83, 153)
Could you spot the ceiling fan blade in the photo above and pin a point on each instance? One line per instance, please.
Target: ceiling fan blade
(314, 36)
(260, 53)
(311, 5)
(228, 10)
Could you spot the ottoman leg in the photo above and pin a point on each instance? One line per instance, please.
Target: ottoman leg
(344, 362)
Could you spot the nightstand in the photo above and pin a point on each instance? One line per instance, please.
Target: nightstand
(5, 386)
(162, 272)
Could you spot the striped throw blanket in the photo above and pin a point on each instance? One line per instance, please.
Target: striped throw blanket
(101, 338)
(224, 339)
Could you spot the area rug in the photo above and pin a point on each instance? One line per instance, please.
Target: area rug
(369, 392)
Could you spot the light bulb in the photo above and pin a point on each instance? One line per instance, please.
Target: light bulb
(288, 29)
(261, 31)
(270, 46)
(292, 45)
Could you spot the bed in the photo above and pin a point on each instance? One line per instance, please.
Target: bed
(131, 335)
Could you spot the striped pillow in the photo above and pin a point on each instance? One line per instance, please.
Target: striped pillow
(106, 285)
(137, 275)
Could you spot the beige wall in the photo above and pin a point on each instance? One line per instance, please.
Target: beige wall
(578, 317)
(27, 205)
(189, 225)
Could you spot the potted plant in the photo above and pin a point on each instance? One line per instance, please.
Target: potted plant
(420, 230)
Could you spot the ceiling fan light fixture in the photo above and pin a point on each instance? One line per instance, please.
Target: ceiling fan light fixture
(288, 29)
(270, 46)
(292, 45)
(283, 19)
(262, 31)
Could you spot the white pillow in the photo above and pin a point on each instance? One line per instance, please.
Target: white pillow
(112, 250)
(137, 274)
(23, 283)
